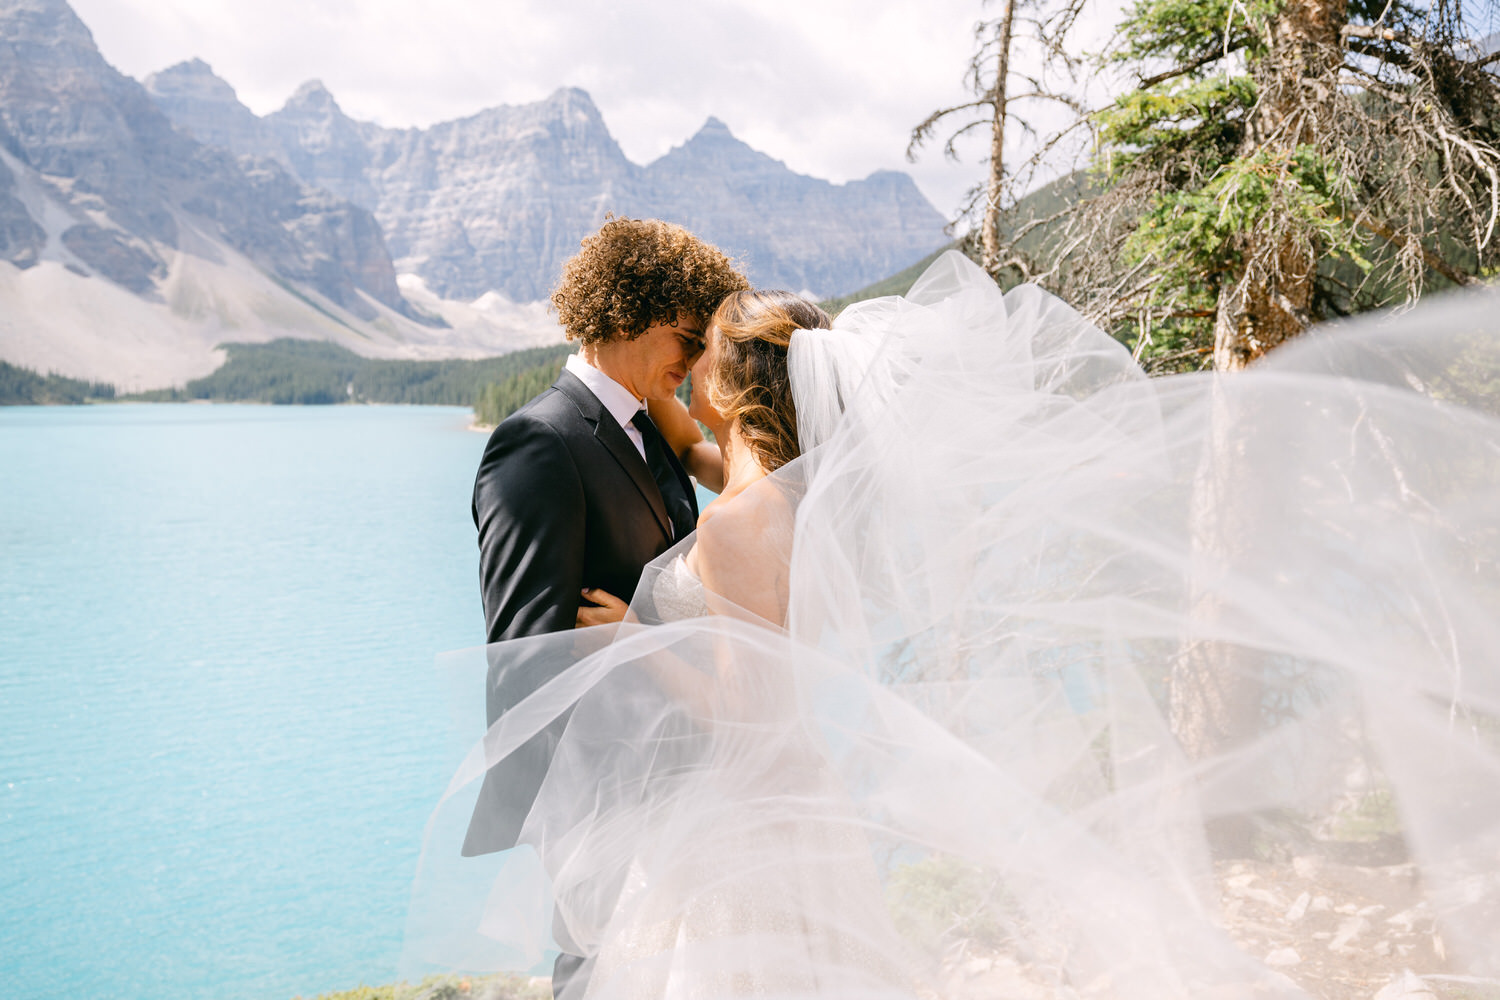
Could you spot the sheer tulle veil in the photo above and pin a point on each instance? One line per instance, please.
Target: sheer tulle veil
(1066, 651)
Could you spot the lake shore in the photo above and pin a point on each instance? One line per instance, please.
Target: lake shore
(451, 987)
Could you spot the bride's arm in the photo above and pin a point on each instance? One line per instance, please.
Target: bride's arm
(702, 460)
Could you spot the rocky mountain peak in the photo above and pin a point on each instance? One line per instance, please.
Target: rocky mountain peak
(41, 39)
(312, 98)
(76, 120)
(42, 21)
(572, 97)
(890, 179)
(185, 71)
(568, 107)
(715, 149)
(715, 135)
(191, 78)
(205, 106)
(194, 83)
(325, 147)
(572, 107)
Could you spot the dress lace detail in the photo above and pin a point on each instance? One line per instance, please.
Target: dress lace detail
(677, 593)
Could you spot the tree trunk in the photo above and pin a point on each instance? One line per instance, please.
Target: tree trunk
(1271, 302)
(1215, 688)
(990, 228)
(1270, 299)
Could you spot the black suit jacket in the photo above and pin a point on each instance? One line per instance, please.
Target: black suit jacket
(562, 501)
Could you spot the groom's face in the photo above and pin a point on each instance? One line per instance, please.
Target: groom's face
(657, 362)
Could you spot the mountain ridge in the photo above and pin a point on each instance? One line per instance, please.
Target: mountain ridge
(546, 174)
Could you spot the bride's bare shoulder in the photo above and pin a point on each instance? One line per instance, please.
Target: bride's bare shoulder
(743, 547)
(758, 515)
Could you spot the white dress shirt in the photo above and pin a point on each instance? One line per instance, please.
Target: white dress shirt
(618, 400)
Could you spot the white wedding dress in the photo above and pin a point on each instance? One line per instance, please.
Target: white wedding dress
(1057, 636)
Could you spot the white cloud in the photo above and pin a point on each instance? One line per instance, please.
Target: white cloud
(831, 87)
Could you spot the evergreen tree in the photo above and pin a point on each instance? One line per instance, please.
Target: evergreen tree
(500, 399)
(22, 387)
(315, 372)
(1294, 159)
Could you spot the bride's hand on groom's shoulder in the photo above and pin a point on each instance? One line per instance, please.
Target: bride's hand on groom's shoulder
(603, 608)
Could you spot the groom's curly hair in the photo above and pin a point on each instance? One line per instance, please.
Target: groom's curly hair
(634, 273)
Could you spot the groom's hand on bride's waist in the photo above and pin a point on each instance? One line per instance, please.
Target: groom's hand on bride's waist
(600, 608)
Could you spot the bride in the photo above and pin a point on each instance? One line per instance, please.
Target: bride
(1002, 670)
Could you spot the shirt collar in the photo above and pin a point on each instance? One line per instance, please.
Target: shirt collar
(618, 400)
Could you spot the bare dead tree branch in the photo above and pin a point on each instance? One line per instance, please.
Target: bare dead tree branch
(1146, 83)
(1431, 259)
(1373, 31)
(992, 77)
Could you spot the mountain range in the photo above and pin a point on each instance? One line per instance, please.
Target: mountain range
(496, 201)
(143, 224)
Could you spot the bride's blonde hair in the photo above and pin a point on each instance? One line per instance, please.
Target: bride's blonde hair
(748, 381)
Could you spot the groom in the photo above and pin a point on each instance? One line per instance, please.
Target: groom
(578, 489)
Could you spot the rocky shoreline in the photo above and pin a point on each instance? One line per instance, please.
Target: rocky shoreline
(1338, 929)
(1357, 928)
(454, 987)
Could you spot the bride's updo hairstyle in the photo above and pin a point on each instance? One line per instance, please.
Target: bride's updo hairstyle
(748, 380)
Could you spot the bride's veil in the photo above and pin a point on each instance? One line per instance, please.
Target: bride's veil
(1085, 680)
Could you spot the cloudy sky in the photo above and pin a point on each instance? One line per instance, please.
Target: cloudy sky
(830, 87)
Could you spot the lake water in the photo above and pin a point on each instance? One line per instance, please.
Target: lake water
(221, 731)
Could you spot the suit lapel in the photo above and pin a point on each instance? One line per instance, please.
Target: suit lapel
(611, 435)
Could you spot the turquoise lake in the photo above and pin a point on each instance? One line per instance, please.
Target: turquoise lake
(222, 728)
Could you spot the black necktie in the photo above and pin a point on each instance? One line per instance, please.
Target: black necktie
(676, 492)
